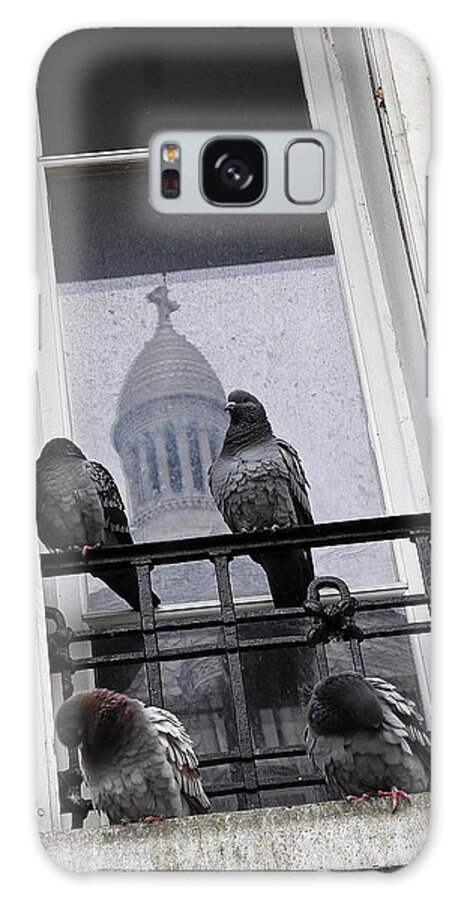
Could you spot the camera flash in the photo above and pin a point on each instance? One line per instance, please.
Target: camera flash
(170, 153)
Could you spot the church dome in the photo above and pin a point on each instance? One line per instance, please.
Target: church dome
(169, 424)
(168, 365)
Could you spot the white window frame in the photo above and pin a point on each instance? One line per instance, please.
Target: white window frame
(392, 429)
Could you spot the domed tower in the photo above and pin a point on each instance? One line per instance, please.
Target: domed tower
(169, 425)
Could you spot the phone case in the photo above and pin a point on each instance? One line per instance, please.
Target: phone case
(232, 481)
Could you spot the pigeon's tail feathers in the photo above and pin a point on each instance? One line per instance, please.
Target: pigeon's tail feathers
(124, 583)
(289, 573)
(197, 807)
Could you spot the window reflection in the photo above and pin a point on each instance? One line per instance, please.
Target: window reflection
(174, 466)
(136, 470)
(214, 441)
(152, 463)
(195, 458)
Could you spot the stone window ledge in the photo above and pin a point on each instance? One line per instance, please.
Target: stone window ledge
(336, 835)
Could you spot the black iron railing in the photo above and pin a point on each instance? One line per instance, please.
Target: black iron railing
(325, 622)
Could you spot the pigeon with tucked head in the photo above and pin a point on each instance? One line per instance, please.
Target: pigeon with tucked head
(138, 761)
(79, 507)
(366, 738)
(258, 483)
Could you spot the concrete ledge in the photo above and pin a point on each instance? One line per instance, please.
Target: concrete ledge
(340, 835)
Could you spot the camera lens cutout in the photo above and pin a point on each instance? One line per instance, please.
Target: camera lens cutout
(233, 171)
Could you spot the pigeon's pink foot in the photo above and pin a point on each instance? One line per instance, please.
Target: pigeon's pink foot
(355, 797)
(279, 527)
(87, 547)
(149, 820)
(395, 794)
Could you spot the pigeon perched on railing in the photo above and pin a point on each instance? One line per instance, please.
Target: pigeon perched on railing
(79, 507)
(258, 483)
(366, 738)
(138, 761)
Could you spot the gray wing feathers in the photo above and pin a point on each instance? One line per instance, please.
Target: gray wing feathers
(298, 482)
(181, 755)
(115, 519)
(69, 511)
(401, 720)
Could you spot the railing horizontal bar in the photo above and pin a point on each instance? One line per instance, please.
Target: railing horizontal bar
(410, 628)
(173, 625)
(217, 648)
(390, 602)
(108, 659)
(112, 634)
(220, 759)
(288, 640)
(114, 659)
(369, 632)
(386, 601)
(325, 534)
(267, 784)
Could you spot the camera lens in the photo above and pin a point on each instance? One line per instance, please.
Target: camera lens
(233, 171)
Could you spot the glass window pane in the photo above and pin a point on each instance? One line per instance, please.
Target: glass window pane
(103, 226)
(199, 691)
(276, 682)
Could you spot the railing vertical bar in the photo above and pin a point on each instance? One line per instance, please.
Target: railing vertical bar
(64, 637)
(357, 657)
(250, 798)
(322, 660)
(77, 815)
(150, 637)
(421, 539)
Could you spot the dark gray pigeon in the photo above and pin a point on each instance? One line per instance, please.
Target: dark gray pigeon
(366, 738)
(258, 483)
(79, 507)
(138, 761)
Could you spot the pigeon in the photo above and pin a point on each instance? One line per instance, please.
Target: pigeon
(258, 483)
(138, 761)
(79, 507)
(366, 738)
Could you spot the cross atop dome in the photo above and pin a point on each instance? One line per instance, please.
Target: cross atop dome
(160, 297)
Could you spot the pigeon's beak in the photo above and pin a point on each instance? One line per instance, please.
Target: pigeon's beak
(230, 405)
